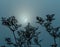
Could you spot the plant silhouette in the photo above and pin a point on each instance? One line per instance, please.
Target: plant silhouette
(29, 34)
(47, 23)
(25, 36)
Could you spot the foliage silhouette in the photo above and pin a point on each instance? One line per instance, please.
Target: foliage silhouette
(47, 23)
(29, 33)
(25, 36)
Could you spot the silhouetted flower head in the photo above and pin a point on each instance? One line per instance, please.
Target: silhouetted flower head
(30, 30)
(11, 22)
(40, 20)
(50, 17)
(55, 32)
(26, 35)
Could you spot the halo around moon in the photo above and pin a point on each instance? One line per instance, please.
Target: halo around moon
(25, 15)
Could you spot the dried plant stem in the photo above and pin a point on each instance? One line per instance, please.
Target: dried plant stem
(55, 42)
(14, 37)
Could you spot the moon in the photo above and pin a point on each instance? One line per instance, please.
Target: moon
(24, 18)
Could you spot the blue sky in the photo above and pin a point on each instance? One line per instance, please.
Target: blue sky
(32, 8)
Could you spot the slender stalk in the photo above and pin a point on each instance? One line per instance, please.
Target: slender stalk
(16, 40)
(54, 45)
(14, 36)
(54, 40)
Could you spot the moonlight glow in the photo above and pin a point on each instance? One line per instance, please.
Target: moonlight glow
(24, 15)
(24, 18)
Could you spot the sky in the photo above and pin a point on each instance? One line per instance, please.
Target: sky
(26, 11)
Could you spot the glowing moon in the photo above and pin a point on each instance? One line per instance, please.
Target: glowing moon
(24, 18)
